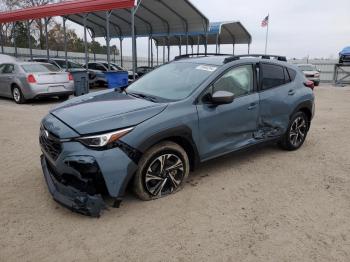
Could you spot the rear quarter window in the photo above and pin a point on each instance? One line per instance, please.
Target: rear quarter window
(292, 73)
(271, 76)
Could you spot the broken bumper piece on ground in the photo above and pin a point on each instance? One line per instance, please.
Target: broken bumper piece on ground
(75, 200)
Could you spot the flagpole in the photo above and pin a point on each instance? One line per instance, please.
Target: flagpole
(267, 33)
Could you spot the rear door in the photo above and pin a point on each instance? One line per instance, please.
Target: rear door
(7, 75)
(276, 92)
(225, 128)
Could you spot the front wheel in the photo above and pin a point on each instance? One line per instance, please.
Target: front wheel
(296, 133)
(162, 171)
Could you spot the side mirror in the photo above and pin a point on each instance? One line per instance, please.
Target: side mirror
(222, 98)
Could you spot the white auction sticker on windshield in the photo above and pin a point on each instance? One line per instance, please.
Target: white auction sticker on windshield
(206, 68)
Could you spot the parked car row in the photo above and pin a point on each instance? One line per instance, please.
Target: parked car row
(42, 77)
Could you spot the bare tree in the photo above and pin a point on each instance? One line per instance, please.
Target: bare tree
(38, 24)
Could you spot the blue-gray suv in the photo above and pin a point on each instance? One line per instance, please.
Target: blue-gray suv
(150, 135)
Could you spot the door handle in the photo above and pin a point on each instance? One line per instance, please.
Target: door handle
(291, 92)
(252, 106)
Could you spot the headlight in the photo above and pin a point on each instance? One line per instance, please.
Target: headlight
(105, 139)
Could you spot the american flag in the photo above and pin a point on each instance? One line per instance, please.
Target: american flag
(265, 22)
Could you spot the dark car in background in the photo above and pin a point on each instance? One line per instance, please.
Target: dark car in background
(142, 70)
(344, 55)
(100, 68)
(150, 135)
(71, 66)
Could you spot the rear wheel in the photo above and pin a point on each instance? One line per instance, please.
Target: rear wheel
(17, 95)
(296, 133)
(163, 170)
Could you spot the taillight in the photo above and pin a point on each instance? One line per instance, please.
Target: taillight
(309, 84)
(70, 77)
(31, 79)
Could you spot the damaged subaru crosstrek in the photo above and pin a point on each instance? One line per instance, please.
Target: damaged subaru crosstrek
(149, 135)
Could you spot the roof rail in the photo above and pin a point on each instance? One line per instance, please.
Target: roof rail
(199, 54)
(237, 57)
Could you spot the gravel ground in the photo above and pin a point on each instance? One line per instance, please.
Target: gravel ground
(261, 205)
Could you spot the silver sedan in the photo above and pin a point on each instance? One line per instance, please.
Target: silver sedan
(22, 81)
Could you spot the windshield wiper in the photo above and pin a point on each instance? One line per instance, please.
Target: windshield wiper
(143, 96)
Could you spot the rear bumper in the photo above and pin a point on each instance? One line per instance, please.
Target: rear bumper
(70, 197)
(37, 91)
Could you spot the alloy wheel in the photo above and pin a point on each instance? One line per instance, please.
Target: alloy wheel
(164, 175)
(298, 131)
(16, 94)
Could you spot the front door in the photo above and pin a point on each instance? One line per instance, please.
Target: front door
(225, 128)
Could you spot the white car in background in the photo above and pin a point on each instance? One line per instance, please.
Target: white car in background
(311, 72)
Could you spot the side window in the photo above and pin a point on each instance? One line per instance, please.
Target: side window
(238, 81)
(292, 73)
(100, 67)
(92, 66)
(271, 76)
(2, 67)
(286, 76)
(8, 69)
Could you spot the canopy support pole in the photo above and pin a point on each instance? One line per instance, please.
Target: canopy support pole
(180, 45)
(198, 39)
(108, 39)
(233, 49)
(186, 40)
(217, 43)
(65, 42)
(151, 51)
(29, 41)
(2, 40)
(168, 50)
(85, 41)
(46, 20)
(133, 11)
(248, 49)
(157, 47)
(14, 38)
(164, 51)
(121, 52)
(206, 43)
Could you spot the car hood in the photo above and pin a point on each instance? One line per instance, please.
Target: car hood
(105, 111)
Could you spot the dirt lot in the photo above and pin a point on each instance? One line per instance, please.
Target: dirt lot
(260, 205)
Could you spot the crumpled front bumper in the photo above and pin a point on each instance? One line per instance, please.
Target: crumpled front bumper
(75, 200)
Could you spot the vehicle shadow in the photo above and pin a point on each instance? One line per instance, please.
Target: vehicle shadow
(220, 164)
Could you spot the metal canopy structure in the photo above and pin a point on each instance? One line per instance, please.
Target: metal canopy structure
(117, 19)
(152, 17)
(64, 9)
(220, 33)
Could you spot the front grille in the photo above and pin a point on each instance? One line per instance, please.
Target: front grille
(50, 144)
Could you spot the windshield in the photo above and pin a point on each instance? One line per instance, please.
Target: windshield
(39, 68)
(114, 67)
(174, 81)
(307, 67)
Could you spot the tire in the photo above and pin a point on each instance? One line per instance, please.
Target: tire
(161, 181)
(297, 131)
(316, 83)
(17, 95)
(63, 97)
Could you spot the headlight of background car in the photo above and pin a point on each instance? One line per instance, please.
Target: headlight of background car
(105, 139)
